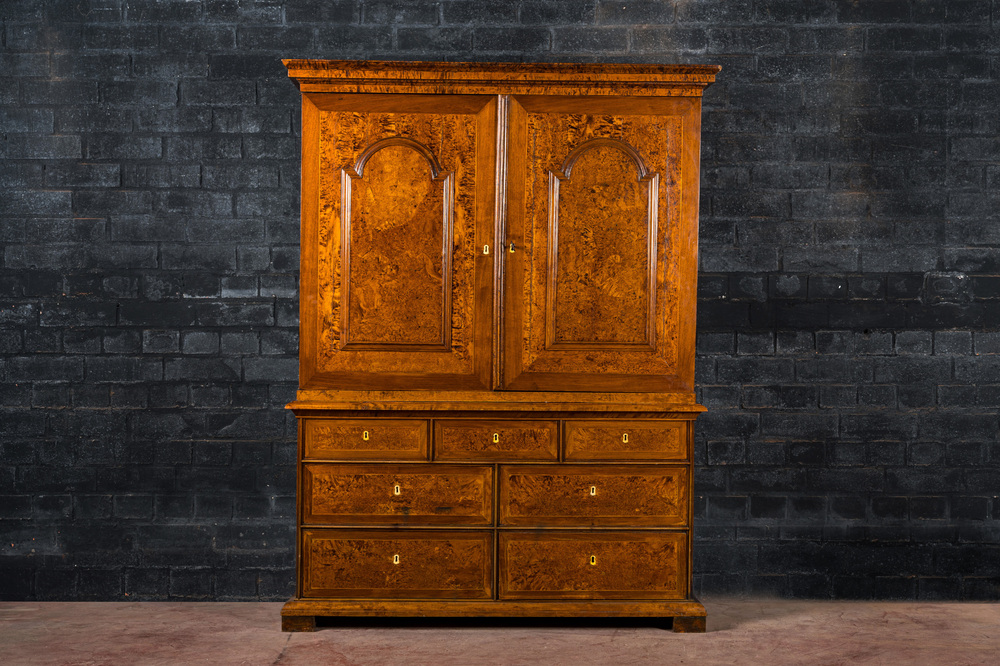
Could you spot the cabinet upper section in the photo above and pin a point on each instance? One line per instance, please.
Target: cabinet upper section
(474, 227)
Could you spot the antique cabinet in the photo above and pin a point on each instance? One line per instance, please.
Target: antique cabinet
(497, 321)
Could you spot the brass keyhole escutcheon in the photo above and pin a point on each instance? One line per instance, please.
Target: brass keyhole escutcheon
(625, 438)
(496, 438)
(511, 249)
(593, 491)
(395, 559)
(364, 435)
(593, 560)
(486, 249)
(395, 490)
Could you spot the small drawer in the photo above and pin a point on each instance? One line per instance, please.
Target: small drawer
(496, 440)
(593, 565)
(583, 495)
(397, 494)
(626, 440)
(424, 564)
(382, 439)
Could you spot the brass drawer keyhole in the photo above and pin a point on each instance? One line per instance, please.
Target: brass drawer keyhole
(625, 438)
(593, 491)
(593, 560)
(486, 249)
(395, 490)
(496, 438)
(395, 559)
(364, 435)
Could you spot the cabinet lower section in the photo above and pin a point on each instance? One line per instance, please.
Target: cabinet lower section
(446, 514)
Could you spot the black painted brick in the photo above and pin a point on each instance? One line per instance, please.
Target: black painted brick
(840, 136)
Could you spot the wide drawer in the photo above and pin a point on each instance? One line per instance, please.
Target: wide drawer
(626, 440)
(397, 494)
(496, 440)
(593, 565)
(357, 439)
(424, 564)
(601, 495)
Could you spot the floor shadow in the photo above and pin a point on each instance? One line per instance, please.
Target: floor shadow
(491, 623)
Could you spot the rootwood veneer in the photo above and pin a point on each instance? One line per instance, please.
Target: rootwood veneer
(496, 386)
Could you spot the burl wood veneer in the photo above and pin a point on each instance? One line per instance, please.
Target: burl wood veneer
(496, 386)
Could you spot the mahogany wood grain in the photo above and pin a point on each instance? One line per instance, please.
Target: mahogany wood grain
(594, 495)
(421, 564)
(625, 440)
(366, 439)
(592, 565)
(496, 441)
(397, 494)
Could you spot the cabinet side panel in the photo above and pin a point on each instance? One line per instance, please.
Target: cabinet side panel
(308, 279)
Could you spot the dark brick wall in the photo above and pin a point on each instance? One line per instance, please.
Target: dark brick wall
(849, 342)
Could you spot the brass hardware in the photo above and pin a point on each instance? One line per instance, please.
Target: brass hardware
(395, 559)
(486, 249)
(625, 438)
(593, 491)
(364, 435)
(593, 560)
(496, 438)
(395, 491)
(511, 250)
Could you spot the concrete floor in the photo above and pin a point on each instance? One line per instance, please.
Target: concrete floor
(740, 631)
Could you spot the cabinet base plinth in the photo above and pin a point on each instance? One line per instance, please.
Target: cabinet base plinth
(298, 622)
(688, 616)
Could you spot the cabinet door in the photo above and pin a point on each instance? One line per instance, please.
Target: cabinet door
(397, 206)
(601, 244)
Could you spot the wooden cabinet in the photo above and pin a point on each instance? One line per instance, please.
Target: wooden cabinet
(496, 387)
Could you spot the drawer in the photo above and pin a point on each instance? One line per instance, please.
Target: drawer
(601, 495)
(397, 494)
(626, 440)
(415, 564)
(496, 440)
(356, 439)
(593, 565)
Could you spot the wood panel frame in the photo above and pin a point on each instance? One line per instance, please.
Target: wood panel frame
(677, 260)
(652, 182)
(446, 180)
(311, 375)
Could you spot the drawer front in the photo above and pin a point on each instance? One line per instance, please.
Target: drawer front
(496, 440)
(397, 494)
(582, 495)
(357, 439)
(419, 564)
(593, 565)
(626, 440)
